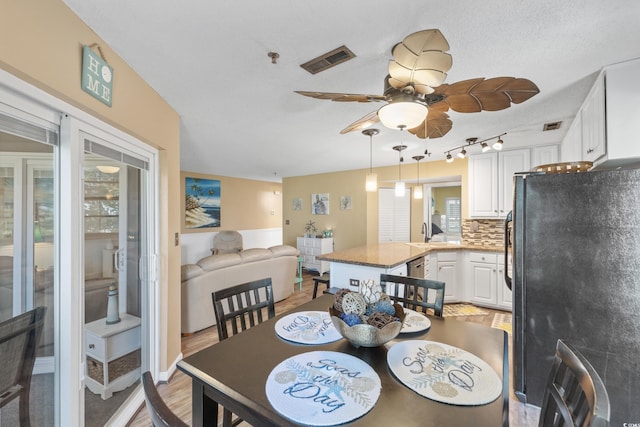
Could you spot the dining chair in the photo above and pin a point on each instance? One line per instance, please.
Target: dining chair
(161, 415)
(19, 340)
(242, 307)
(413, 292)
(574, 395)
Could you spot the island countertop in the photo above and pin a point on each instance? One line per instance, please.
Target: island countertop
(389, 255)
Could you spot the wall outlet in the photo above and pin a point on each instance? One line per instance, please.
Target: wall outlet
(354, 282)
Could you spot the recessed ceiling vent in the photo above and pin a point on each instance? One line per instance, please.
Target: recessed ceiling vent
(328, 60)
(551, 126)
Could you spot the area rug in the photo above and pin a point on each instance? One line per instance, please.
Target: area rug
(502, 321)
(462, 310)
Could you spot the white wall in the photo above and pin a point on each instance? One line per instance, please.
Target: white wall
(196, 246)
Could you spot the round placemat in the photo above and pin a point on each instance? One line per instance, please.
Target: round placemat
(414, 322)
(323, 388)
(307, 327)
(444, 373)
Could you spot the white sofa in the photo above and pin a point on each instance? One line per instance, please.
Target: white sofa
(221, 271)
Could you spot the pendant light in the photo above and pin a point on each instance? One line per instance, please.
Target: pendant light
(417, 191)
(400, 188)
(372, 178)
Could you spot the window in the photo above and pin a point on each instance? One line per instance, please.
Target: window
(452, 206)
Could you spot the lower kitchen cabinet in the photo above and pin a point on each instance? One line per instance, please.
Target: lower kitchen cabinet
(447, 272)
(485, 278)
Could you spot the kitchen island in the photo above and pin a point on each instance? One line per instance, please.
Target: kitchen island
(352, 265)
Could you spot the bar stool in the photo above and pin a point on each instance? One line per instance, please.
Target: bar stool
(319, 279)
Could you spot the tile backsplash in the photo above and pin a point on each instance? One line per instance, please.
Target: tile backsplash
(483, 231)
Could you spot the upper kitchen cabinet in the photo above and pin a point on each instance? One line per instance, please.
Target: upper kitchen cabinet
(608, 120)
(491, 181)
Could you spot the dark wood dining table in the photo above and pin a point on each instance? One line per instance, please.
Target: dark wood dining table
(234, 372)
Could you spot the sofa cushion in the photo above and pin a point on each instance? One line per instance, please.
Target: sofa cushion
(214, 262)
(189, 271)
(255, 254)
(283, 250)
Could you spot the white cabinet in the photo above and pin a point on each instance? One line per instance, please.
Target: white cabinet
(544, 155)
(486, 283)
(491, 181)
(310, 248)
(113, 354)
(447, 272)
(571, 149)
(593, 122)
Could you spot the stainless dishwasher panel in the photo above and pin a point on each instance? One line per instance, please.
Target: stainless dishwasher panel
(415, 268)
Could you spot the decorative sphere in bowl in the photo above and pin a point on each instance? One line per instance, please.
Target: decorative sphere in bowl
(366, 335)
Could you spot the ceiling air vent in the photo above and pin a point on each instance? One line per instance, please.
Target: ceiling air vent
(551, 126)
(328, 60)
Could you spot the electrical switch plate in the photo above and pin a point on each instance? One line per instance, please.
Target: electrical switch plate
(354, 282)
(177, 239)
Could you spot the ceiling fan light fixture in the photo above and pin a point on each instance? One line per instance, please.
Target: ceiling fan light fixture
(498, 144)
(403, 114)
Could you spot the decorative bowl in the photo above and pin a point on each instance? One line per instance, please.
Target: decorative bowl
(364, 335)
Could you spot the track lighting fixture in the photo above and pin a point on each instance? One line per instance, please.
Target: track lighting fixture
(473, 141)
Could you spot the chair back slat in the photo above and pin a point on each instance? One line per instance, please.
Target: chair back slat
(414, 293)
(575, 395)
(242, 306)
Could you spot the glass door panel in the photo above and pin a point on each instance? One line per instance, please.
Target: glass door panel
(115, 229)
(27, 252)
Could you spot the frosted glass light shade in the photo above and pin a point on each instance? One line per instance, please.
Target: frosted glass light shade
(372, 182)
(402, 114)
(399, 192)
(498, 145)
(417, 192)
(108, 169)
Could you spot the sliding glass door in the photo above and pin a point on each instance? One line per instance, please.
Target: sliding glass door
(28, 150)
(115, 259)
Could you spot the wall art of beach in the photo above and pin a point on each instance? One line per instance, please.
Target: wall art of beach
(202, 203)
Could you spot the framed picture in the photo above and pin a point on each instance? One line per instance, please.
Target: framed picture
(297, 204)
(202, 203)
(345, 203)
(320, 204)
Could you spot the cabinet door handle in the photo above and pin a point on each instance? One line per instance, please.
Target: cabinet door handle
(590, 150)
(91, 346)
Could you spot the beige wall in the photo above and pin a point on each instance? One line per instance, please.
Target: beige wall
(359, 225)
(245, 204)
(42, 45)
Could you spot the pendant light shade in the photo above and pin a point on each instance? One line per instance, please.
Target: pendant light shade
(371, 183)
(403, 114)
(400, 187)
(417, 190)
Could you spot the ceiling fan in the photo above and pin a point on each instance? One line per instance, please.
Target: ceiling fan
(415, 94)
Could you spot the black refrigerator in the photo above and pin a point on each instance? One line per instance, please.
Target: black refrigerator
(574, 240)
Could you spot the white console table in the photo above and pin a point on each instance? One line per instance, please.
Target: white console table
(310, 248)
(113, 354)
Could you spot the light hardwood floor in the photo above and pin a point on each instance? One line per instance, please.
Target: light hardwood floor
(177, 392)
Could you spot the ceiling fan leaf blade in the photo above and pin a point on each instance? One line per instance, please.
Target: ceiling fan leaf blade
(342, 97)
(459, 88)
(493, 101)
(493, 84)
(463, 103)
(362, 123)
(421, 51)
(519, 90)
(425, 40)
(432, 78)
(436, 125)
(434, 60)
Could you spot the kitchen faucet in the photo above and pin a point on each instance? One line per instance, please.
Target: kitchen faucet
(425, 231)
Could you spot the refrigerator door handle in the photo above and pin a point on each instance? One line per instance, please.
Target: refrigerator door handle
(507, 239)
